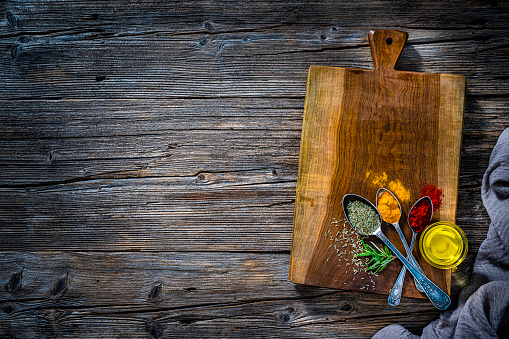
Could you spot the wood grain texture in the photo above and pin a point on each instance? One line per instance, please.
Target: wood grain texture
(62, 294)
(263, 50)
(450, 122)
(358, 124)
(132, 132)
(316, 166)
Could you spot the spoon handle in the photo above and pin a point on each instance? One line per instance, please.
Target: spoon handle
(439, 298)
(409, 256)
(397, 288)
(395, 294)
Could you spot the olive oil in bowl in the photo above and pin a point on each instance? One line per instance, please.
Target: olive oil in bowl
(443, 245)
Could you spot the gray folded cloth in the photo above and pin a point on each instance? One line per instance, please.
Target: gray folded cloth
(483, 305)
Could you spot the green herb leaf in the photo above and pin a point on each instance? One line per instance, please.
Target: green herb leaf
(380, 257)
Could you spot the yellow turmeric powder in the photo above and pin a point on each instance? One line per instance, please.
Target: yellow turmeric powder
(399, 190)
(396, 187)
(388, 208)
(377, 179)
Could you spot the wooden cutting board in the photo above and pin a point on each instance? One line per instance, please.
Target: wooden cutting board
(365, 129)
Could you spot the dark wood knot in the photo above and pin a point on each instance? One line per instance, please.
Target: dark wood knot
(15, 282)
(154, 329)
(155, 291)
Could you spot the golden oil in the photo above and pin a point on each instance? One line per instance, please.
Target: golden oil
(443, 245)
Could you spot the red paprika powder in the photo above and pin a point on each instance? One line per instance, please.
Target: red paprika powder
(434, 193)
(420, 216)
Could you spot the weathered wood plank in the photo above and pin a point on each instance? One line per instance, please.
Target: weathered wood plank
(443, 15)
(209, 212)
(43, 119)
(171, 153)
(61, 294)
(150, 214)
(224, 67)
(266, 321)
(261, 49)
(48, 141)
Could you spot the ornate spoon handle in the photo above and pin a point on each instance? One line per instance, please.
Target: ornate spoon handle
(439, 298)
(397, 289)
(409, 257)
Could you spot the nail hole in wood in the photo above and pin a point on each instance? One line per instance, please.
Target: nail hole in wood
(388, 41)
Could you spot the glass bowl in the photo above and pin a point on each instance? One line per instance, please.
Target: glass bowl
(443, 245)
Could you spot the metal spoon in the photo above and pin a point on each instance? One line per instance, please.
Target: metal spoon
(439, 298)
(395, 294)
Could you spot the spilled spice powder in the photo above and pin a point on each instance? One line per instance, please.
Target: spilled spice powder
(399, 190)
(395, 186)
(377, 179)
(434, 193)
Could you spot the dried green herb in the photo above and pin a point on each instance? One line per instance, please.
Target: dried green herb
(380, 258)
(362, 217)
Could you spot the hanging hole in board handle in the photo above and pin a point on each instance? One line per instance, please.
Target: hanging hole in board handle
(386, 46)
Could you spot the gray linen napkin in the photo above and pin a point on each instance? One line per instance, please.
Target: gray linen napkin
(483, 305)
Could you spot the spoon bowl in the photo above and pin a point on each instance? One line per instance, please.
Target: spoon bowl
(378, 196)
(347, 199)
(417, 203)
(439, 298)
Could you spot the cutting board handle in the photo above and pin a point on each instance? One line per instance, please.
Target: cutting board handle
(386, 46)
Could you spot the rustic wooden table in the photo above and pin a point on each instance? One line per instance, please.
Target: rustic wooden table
(149, 155)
